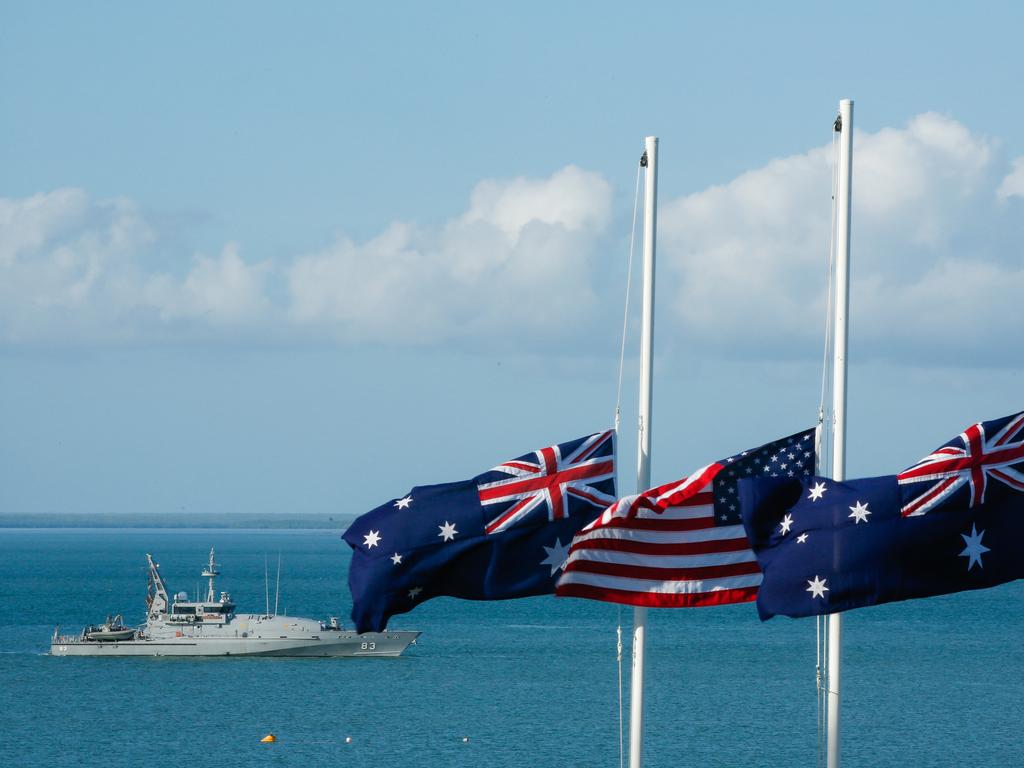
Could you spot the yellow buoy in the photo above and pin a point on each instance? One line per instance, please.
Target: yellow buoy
(268, 739)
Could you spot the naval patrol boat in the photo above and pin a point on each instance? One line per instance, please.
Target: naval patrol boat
(212, 628)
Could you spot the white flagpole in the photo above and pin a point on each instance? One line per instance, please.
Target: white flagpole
(842, 311)
(643, 459)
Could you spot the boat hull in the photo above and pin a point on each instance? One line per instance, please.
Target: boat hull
(332, 644)
(110, 637)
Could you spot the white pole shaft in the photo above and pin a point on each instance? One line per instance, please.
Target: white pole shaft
(835, 622)
(643, 458)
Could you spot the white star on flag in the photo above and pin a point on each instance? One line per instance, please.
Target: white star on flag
(817, 491)
(404, 502)
(974, 549)
(785, 525)
(557, 555)
(372, 539)
(860, 512)
(396, 559)
(415, 592)
(447, 531)
(817, 587)
(801, 538)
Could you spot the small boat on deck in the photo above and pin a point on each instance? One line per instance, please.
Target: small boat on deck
(112, 630)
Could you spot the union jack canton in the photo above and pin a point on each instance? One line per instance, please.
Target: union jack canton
(550, 484)
(990, 450)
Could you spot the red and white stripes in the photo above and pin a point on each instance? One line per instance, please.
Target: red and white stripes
(663, 548)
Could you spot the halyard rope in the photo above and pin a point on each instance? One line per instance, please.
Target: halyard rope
(625, 310)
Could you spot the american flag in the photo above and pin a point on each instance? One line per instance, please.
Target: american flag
(990, 450)
(681, 544)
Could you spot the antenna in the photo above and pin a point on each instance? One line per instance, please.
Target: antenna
(277, 592)
(266, 582)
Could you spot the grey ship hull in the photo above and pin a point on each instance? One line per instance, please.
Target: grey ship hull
(212, 628)
(332, 643)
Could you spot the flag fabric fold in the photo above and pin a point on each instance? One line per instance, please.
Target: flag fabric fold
(502, 534)
(952, 522)
(681, 544)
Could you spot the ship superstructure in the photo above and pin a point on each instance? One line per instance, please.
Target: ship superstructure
(211, 627)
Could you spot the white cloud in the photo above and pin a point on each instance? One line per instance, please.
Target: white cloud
(521, 256)
(955, 307)
(1013, 184)
(26, 224)
(936, 265)
(747, 258)
(918, 182)
(572, 198)
(58, 252)
(70, 271)
(223, 291)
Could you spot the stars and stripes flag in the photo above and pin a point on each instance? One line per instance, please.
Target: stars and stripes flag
(502, 534)
(681, 544)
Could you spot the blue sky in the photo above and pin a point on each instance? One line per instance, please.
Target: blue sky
(266, 259)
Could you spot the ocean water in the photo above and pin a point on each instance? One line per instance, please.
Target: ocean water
(529, 682)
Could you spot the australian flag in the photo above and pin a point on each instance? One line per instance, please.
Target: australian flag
(953, 521)
(502, 534)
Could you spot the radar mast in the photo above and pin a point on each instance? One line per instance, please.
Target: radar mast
(210, 572)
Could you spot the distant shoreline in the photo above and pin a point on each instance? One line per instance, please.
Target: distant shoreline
(181, 520)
